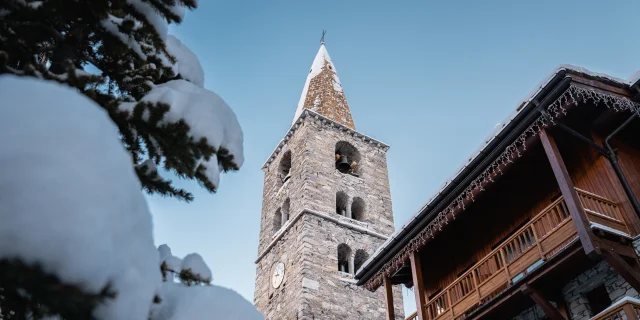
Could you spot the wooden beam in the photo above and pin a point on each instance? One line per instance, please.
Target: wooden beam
(621, 249)
(561, 305)
(542, 302)
(418, 284)
(569, 193)
(388, 298)
(622, 268)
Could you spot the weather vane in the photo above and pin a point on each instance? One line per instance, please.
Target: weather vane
(323, 33)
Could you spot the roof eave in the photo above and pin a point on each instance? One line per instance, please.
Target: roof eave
(401, 237)
(397, 240)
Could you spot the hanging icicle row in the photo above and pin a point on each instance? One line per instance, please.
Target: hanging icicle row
(572, 96)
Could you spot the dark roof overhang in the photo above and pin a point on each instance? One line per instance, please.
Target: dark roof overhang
(527, 113)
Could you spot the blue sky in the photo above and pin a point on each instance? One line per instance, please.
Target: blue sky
(429, 78)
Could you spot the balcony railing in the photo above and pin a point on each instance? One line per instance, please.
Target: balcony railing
(413, 316)
(627, 308)
(541, 238)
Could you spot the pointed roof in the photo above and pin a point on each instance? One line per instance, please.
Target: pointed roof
(323, 92)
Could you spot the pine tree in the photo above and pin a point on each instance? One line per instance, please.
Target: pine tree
(114, 51)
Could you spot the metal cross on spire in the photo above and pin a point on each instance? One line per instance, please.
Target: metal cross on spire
(323, 33)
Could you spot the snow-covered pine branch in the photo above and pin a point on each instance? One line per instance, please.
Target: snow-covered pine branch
(192, 296)
(119, 53)
(76, 237)
(71, 207)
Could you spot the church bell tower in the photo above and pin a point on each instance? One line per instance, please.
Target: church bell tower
(326, 208)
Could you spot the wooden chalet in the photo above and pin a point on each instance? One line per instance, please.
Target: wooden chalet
(546, 211)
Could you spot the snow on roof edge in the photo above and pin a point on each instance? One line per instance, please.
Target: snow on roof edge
(616, 304)
(635, 77)
(525, 102)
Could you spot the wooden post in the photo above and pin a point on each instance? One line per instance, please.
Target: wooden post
(542, 302)
(535, 236)
(418, 284)
(622, 268)
(629, 311)
(570, 195)
(388, 297)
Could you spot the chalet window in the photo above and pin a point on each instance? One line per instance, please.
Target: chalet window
(357, 209)
(284, 169)
(341, 203)
(598, 299)
(345, 258)
(347, 158)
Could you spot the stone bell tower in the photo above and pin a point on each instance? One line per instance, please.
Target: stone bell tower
(326, 208)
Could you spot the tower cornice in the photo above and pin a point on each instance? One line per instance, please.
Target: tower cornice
(312, 115)
(337, 220)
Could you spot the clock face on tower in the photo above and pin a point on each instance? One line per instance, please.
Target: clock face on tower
(278, 275)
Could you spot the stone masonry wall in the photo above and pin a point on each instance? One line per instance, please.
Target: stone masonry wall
(313, 288)
(331, 294)
(533, 313)
(574, 292)
(322, 181)
(275, 192)
(284, 302)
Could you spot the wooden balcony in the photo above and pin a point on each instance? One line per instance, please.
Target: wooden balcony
(413, 316)
(542, 237)
(627, 308)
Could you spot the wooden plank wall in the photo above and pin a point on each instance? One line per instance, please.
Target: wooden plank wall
(521, 194)
(628, 146)
(592, 172)
(526, 189)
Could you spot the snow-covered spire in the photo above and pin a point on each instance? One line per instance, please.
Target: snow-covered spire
(323, 92)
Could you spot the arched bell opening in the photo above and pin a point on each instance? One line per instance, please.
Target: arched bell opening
(347, 158)
(277, 221)
(284, 169)
(345, 258)
(357, 209)
(341, 203)
(360, 257)
(285, 211)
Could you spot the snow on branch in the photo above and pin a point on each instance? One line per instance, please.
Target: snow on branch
(194, 269)
(211, 302)
(187, 64)
(71, 201)
(210, 121)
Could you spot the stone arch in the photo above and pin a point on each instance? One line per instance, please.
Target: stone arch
(342, 203)
(357, 209)
(348, 158)
(284, 168)
(359, 258)
(277, 221)
(285, 211)
(345, 258)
